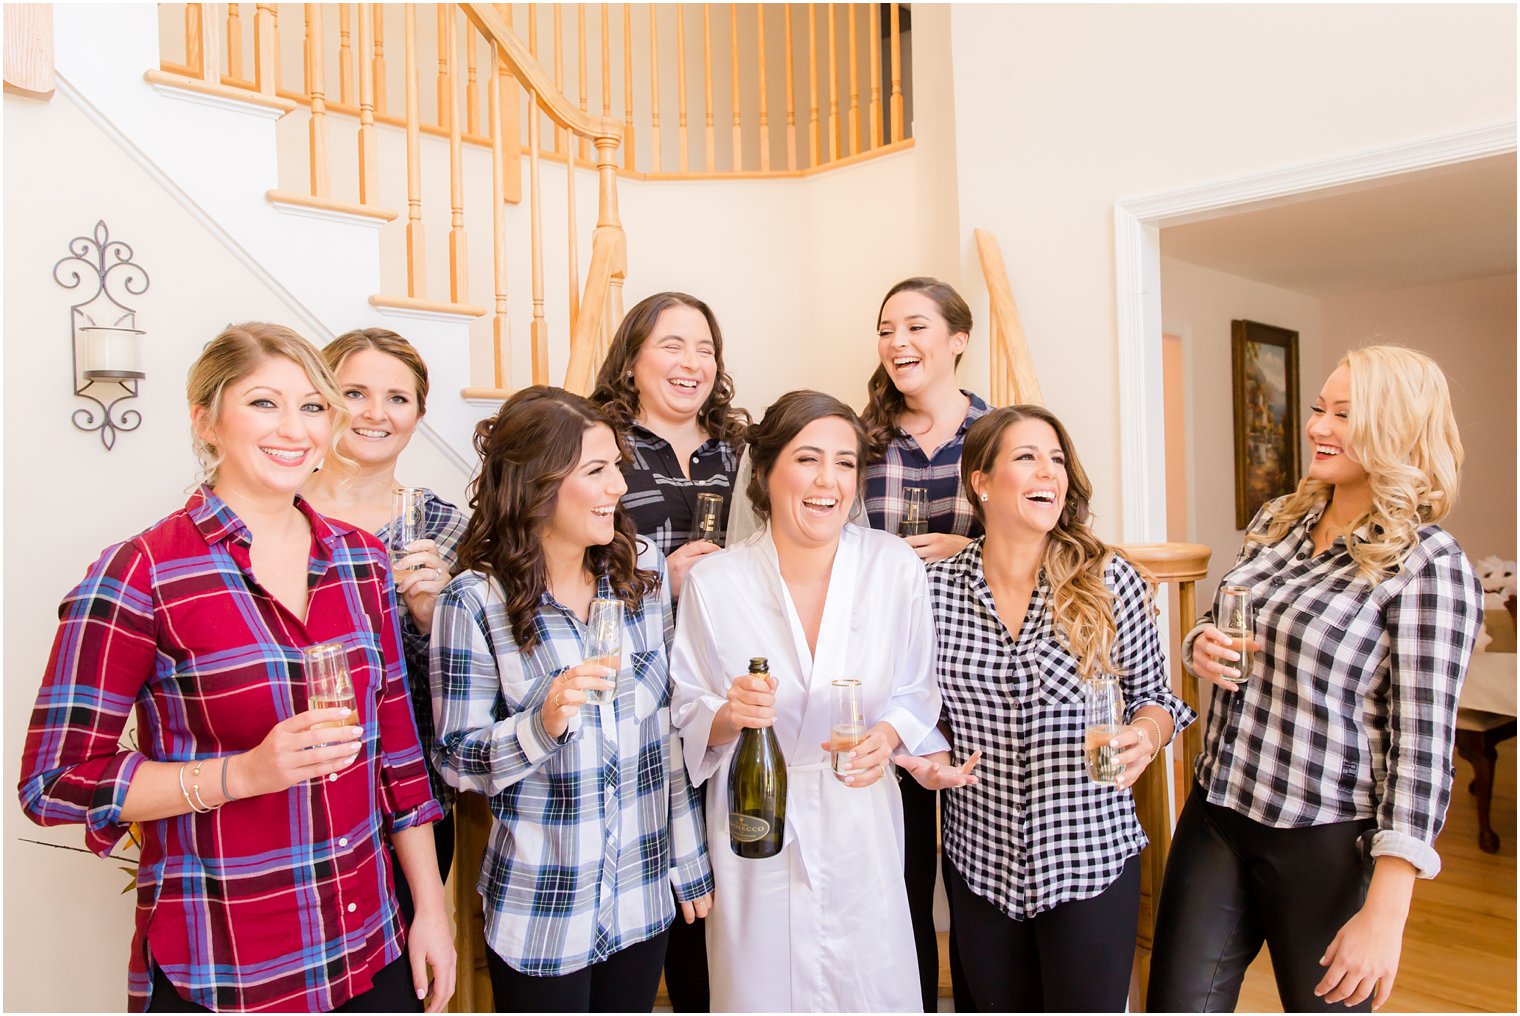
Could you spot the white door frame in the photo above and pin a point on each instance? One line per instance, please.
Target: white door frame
(1137, 256)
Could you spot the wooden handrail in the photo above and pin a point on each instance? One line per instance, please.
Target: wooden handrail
(1007, 329)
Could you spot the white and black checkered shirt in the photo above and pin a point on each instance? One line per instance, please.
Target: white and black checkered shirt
(1035, 831)
(1352, 709)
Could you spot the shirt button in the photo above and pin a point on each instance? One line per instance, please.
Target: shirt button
(331, 777)
(352, 907)
(342, 841)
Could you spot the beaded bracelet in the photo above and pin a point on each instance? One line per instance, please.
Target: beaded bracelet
(1157, 728)
(186, 794)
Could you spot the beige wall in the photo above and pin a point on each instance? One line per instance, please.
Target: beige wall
(1063, 110)
(1198, 304)
(1469, 327)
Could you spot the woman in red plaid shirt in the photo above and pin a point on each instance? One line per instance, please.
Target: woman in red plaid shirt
(264, 882)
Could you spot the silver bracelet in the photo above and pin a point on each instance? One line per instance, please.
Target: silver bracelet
(195, 787)
(185, 793)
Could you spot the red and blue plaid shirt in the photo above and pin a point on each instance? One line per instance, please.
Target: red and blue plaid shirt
(282, 901)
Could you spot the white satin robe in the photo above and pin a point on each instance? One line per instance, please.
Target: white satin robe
(824, 925)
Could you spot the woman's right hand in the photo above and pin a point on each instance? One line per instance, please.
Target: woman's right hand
(679, 561)
(752, 701)
(294, 751)
(568, 693)
(1213, 658)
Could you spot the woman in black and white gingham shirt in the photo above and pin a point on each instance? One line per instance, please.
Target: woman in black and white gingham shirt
(1041, 863)
(1332, 762)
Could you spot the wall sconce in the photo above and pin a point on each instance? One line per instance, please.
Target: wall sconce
(106, 344)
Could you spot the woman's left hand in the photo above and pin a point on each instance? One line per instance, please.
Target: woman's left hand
(931, 547)
(935, 772)
(693, 909)
(1363, 957)
(420, 577)
(868, 759)
(1136, 750)
(430, 944)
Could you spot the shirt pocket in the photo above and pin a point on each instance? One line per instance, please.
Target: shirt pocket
(1059, 683)
(651, 682)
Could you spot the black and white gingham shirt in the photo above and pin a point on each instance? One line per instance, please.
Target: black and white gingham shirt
(1035, 832)
(905, 464)
(661, 500)
(1351, 711)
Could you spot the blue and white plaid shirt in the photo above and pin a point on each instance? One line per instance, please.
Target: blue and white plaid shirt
(592, 830)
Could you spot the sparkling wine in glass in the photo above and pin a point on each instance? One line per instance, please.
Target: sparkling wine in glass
(847, 726)
(406, 521)
(707, 523)
(915, 516)
(328, 685)
(1237, 619)
(1105, 717)
(604, 643)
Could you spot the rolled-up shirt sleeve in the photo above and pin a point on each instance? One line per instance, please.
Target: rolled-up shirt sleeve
(73, 766)
(1138, 653)
(1432, 625)
(407, 797)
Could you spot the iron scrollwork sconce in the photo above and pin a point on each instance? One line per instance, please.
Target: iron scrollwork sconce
(104, 338)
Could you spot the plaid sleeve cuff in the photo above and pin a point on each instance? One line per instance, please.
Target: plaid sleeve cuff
(428, 811)
(103, 825)
(534, 738)
(1392, 843)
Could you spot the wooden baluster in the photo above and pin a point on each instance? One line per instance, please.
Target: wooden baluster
(317, 92)
(445, 72)
(265, 49)
(533, 49)
(459, 279)
(416, 278)
(791, 109)
(874, 138)
(511, 126)
(654, 88)
(628, 86)
(369, 165)
(896, 100)
(733, 64)
(580, 72)
(235, 42)
(501, 325)
(471, 89)
(306, 51)
(538, 332)
(812, 86)
(707, 88)
(193, 47)
(559, 74)
(574, 274)
(345, 56)
(607, 63)
(833, 89)
(854, 146)
(681, 85)
(765, 127)
(211, 50)
(379, 60)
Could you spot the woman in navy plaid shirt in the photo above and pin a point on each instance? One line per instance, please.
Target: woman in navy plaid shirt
(1041, 863)
(1331, 763)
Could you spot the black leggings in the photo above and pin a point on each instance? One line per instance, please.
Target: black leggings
(391, 991)
(626, 981)
(919, 825)
(1074, 957)
(686, 965)
(1232, 883)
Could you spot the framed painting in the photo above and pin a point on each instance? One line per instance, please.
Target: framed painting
(1264, 361)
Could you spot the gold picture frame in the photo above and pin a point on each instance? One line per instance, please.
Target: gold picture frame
(1264, 365)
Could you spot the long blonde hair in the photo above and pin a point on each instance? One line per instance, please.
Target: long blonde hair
(235, 354)
(1081, 604)
(1400, 427)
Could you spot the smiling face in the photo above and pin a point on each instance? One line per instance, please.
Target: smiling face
(812, 484)
(1026, 487)
(587, 500)
(1332, 461)
(381, 395)
(915, 344)
(272, 428)
(676, 366)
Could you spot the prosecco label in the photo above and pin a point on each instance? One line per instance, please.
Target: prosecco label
(747, 828)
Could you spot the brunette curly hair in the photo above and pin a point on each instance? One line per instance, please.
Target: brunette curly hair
(884, 403)
(527, 449)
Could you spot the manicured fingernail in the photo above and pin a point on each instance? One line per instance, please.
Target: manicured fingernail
(421, 994)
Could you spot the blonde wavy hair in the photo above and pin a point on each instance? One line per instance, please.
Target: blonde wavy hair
(1082, 605)
(1401, 429)
(235, 354)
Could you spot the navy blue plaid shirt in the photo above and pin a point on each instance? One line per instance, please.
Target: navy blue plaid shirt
(904, 464)
(589, 831)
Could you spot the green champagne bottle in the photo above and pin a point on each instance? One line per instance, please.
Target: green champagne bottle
(757, 788)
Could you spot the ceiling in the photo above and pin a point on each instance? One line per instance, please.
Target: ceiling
(1444, 225)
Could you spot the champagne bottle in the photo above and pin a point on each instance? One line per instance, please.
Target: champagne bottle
(757, 788)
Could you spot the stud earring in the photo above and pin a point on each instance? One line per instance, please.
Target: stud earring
(984, 496)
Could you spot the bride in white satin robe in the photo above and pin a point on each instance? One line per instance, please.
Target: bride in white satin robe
(824, 925)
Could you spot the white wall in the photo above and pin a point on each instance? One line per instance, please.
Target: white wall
(1062, 110)
(1198, 305)
(1469, 327)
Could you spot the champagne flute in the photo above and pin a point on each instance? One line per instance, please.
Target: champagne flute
(707, 523)
(328, 685)
(1237, 619)
(406, 521)
(915, 516)
(1105, 717)
(847, 726)
(604, 644)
